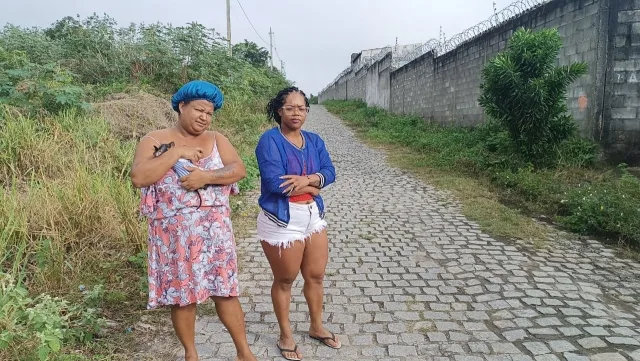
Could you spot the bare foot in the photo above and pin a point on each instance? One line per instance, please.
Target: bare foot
(191, 357)
(289, 344)
(325, 337)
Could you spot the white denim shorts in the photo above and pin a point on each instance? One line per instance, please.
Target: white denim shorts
(304, 221)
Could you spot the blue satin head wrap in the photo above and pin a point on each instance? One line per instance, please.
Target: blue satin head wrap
(198, 90)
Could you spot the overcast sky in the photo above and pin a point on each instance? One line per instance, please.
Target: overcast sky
(315, 39)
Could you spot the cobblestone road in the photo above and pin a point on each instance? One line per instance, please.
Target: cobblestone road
(410, 278)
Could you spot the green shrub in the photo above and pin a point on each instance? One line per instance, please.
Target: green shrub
(524, 91)
(577, 152)
(606, 208)
(99, 53)
(34, 328)
(541, 189)
(32, 86)
(251, 164)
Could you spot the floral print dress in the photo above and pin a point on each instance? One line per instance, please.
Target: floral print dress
(191, 250)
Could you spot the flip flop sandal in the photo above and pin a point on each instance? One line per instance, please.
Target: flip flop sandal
(325, 339)
(283, 350)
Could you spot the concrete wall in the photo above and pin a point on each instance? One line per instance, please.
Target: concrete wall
(378, 89)
(605, 103)
(621, 134)
(357, 85)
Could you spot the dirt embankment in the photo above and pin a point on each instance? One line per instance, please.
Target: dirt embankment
(133, 115)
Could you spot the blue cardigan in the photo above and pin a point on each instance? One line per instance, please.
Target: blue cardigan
(278, 157)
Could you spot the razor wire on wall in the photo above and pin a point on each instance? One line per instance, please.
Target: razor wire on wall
(443, 46)
(438, 47)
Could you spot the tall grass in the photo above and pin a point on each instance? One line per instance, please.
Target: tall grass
(68, 217)
(68, 195)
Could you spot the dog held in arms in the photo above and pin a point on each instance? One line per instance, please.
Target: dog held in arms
(179, 166)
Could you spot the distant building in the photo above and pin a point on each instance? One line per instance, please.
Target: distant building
(396, 51)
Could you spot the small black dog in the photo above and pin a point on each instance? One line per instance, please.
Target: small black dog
(161, 149)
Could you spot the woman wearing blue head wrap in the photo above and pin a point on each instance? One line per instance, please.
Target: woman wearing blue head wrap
(186, 174)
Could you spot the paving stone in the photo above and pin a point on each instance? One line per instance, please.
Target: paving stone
(624, 323)
(504, 348)
(468, 358)
(592, 342)
(504, 324)
(374, 351)
(635, 355)
(598, 322)
(624, 331)
(447, 326)
(397, 327)
(437, 337)
(575, 357)
(385, 339)
(478, 347)
(523, 322)
(521, 358)
(548, 321)
(610, 356)
(627, 341)
(570, 331)
(363, 340)
(547, 358)
(560, 346)
(436, 315)
(449, 348)
(402, 351)
(459, 337)
(485, 336)
(474, 326)
(515, 335)
(499, 304)
(412, 338)
(542, 331)
(536, 348)
(596, 331)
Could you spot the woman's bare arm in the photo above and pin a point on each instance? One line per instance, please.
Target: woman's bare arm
(148, 169)
(233, 170)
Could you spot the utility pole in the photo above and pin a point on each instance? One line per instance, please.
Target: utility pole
(229, 25)
(281, 66)
(270, 45)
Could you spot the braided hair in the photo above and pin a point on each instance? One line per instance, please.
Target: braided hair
(278, 101)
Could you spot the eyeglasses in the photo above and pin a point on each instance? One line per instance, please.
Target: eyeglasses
(289, 109)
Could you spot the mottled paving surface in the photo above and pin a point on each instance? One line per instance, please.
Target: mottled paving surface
(410, 278)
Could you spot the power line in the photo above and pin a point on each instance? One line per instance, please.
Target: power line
(250, 23)
(271, 44)
(275, 47)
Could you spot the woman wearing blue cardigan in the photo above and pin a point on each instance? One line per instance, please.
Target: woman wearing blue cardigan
(294, 167)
